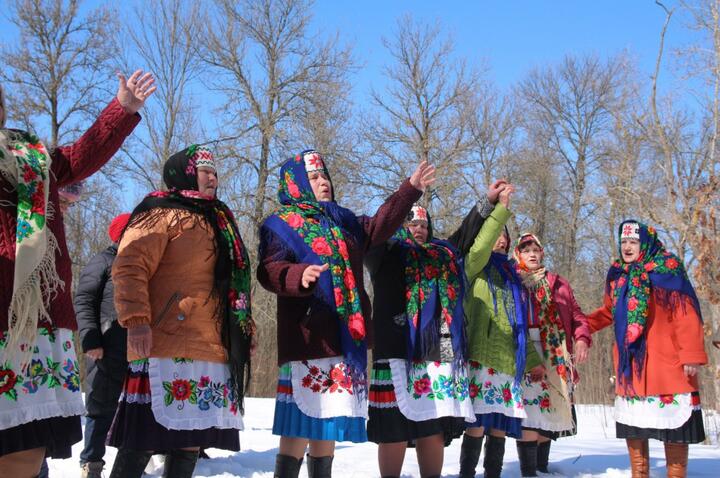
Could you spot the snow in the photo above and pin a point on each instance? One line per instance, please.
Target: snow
(593, 453)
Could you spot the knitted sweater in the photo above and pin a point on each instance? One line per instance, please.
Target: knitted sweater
(490, 338)
(70, 164)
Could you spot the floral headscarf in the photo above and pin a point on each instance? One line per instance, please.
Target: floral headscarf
(656, 272)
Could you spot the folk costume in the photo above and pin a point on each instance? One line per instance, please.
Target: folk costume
(555, 324)
(419, 383)
(322, 331)
(40, 399)
(497, 307)
(658, 329)
(182, 269)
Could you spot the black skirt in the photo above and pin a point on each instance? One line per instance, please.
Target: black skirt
(387, 424)
(134, 426)
(56, 434)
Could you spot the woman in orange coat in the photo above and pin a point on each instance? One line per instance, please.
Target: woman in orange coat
(658, 348)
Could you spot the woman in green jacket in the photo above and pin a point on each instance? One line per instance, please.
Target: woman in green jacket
(497, 308)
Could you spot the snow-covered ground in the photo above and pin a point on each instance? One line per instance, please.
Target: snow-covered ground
(593, 453)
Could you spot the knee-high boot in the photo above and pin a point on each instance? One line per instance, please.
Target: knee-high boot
(494, 455)
(527, 453)
(676, 455)
(470, 455)
(639, 457)
(130, 463)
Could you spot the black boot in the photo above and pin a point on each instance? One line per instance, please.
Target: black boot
(494, 454)
(180, 464)
(543, 456)
(527, 453)
(287, 466)
(319, 467)
(130, 463)
(469, 455)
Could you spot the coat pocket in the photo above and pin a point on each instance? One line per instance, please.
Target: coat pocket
(171, 304)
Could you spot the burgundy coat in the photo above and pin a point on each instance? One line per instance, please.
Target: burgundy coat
(306, 332)
(70, 164)
(574, 321)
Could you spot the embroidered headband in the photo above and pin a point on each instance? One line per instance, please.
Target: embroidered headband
(418, 213)
(203, 157)
(630, 230)
(313, 162)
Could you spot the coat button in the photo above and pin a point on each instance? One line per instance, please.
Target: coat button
(181, 317)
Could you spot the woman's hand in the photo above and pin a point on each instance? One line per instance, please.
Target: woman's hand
(494, 190)
(691, 369)
(95, 354)
(140, 340)
(504, 197)
(311, 274)
(133, 92)
(581, 351)
(423, 176)
(537, 373)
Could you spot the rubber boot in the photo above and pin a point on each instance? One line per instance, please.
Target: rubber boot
(470, 455)
(287, 466)
(676, 455)
(543, 456)
(527, 453)
(180, 463)
(639, 457)
(320, 466)
(494, 455)
(130, 463)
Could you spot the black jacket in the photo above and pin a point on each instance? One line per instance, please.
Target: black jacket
(386, 267)
(98, 327)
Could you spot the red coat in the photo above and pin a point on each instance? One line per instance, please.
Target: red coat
(674, 338)
(574, 321)
(70, 164)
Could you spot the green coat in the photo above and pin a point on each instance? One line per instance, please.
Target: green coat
(490, 338)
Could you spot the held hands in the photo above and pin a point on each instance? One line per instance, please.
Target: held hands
(504, 196)
(537, 373)
(140, 340)
(133, 92)
(311, 274)
(581, 351)
(95, 354)
(423, 176)
(495, 189)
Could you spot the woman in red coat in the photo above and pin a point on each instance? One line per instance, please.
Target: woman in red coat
(658, 348)
(40, 400)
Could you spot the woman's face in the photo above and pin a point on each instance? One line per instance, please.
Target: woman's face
(207, 181)
(630, 249)
(418, 230)
(532, 256)
(320, 185)
(501, 244)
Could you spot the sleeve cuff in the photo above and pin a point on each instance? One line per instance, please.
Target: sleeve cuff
(485, 207)
(91, 340)
(135, 322)
(699, 358)
(124, 122)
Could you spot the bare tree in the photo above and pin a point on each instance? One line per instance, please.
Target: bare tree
(268, 67)
(569, 106)
(57, 67)
(420, 116)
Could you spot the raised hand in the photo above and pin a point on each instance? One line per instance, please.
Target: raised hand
(504, 197)
(423, 176)
(495, 189)
(311, 274)
(133, 92)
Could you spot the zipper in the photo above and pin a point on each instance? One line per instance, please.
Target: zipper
(161, 316)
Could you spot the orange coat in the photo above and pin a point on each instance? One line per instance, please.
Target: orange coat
(163, 277)
(674, 338)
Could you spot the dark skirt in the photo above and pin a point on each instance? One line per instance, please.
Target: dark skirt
(135, 427)
(387, 424)
(56, 434)
(692, 431)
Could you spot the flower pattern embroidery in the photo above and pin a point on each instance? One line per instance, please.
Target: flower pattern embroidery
(33, 160)
(335, 380)
(204, 393)
(41, 371)
(661, 401)
(424, 384)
